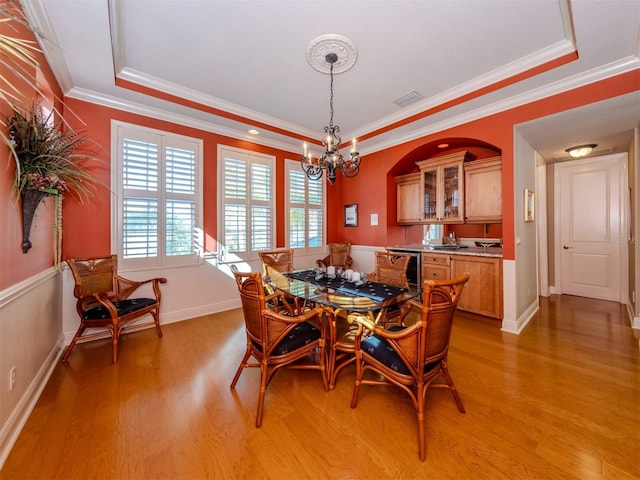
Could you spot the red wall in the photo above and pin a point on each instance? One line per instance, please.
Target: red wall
(15, 265)
(374, 188)
(87, 226)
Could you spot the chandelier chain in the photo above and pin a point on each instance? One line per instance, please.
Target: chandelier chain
(331, 96)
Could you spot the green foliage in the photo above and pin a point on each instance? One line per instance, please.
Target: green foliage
(48, 156)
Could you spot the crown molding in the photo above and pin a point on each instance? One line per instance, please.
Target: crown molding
(183, 120)
(251, 116)
(591, 76)
(36, 13)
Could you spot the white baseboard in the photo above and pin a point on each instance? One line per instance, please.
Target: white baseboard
(13, 426)
(516, 326)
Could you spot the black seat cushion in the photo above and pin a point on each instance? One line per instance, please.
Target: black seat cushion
(124, 307)
(300, 335)
(380, 349)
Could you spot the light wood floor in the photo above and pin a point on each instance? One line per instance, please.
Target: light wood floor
(561, 400)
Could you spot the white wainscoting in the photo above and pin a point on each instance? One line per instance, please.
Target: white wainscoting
(30, 341)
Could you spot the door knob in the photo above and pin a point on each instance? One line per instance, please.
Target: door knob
(566, 248)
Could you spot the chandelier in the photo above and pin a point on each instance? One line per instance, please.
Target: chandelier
(331, 160)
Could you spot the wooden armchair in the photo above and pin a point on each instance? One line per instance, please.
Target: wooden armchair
(276, 341)
(104, 300)
(412, 357)
(338, 256)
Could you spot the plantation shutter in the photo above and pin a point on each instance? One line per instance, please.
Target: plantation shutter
(248, 203)
(157, 212)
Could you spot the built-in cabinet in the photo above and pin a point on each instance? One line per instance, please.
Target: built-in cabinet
(483, 292)
(408, 194)
(451, 189)
(483, 191)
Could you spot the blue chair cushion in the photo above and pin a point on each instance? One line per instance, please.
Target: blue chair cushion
(123, 307)
(299, 336)
(380, 349)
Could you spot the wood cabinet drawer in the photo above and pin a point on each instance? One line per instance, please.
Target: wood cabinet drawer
(435, 272)
(434, 259)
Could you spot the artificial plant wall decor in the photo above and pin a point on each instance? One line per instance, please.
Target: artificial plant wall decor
(48, 162)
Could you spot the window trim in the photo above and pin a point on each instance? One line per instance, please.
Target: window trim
(119, 130)
(306, 250)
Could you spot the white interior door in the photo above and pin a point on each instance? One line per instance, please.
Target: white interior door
(591, 218)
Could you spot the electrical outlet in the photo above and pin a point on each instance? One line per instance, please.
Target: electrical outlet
(12, 378)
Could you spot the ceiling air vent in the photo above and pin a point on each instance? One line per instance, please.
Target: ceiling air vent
(408, 98)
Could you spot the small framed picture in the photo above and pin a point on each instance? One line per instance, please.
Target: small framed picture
(351, 215)
(529, 205)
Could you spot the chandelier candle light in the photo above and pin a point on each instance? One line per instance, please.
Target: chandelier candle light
(331, 160)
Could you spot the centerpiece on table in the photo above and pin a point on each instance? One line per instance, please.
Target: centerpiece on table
(48, 162)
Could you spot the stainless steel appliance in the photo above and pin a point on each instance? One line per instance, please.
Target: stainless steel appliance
(414, 270)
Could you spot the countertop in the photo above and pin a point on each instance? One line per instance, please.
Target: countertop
(473, 251)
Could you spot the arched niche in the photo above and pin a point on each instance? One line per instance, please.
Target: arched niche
(443, 146)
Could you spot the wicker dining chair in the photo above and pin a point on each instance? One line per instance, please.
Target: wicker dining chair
(104, 300)
(338, 256)
(277, 341)
(391, 269)
(412, 357)
(276, 260)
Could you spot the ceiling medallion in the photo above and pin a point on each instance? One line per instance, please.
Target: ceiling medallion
(339, 45)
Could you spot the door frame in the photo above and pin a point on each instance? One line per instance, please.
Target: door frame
(623, 245)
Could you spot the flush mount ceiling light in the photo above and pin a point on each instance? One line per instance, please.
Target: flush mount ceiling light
(581, 150)
(253, 131)
(331, 54)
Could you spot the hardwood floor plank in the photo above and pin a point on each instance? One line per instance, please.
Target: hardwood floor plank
(560, 400)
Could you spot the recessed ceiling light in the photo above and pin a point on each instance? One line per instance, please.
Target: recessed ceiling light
(443, 145)
(253, 131)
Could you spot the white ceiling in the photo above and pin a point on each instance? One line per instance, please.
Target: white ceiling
(247, 58)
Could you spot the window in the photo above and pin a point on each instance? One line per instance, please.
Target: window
(157, 209)
(305, 207)
(432, 232)
(247, 199)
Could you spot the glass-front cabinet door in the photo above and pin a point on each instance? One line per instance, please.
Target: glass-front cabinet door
(430, 196)
(442, 184)
(452, 175)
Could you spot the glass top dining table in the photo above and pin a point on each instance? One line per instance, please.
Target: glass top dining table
(332, 291)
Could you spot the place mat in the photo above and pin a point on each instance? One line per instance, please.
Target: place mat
(373, 290)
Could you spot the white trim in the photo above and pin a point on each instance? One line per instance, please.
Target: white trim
(251, 158)
(516, 326)
(624, 222)
(25, 286)
(290, 165)
(380, 142)
(96, 98)
(119, 130)
(634, 321)
(20, 414)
